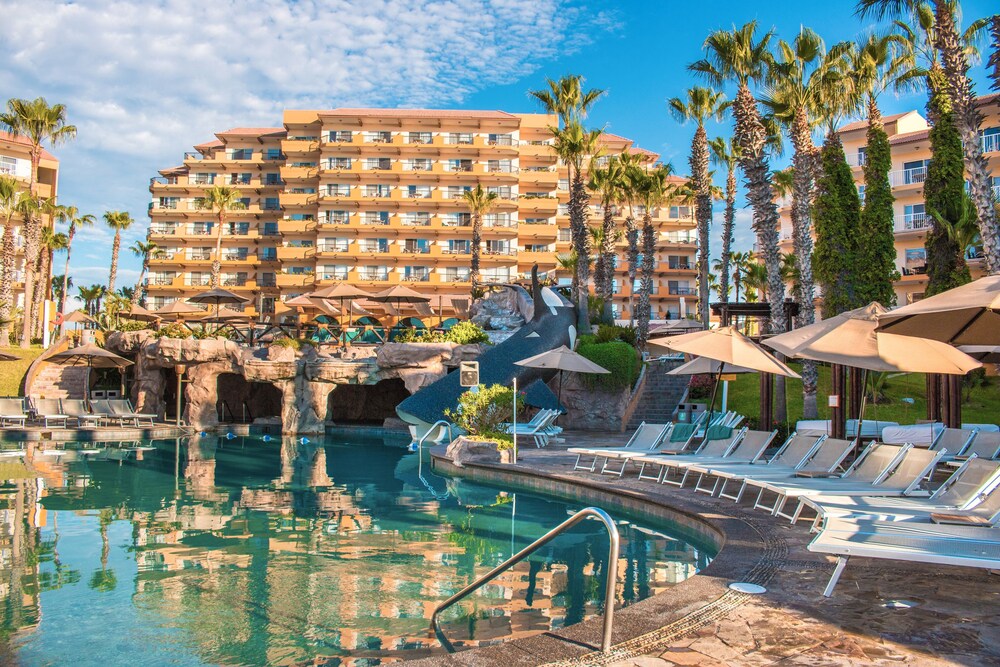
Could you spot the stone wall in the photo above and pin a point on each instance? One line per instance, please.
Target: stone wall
(589, 409)
(304, 379)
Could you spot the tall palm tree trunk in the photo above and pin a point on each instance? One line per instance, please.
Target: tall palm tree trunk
(646, 290)
(31, 231)
(703, 215)
(606, 262)
(477, 240)
(581, 243)
(967, 120)
(804, 164)
(42, 267)
(728, 229)
(7, 282)
(70, 233)
(137, 292)
(751, 136)
(115, 248)
(632, 239)
(217, 257)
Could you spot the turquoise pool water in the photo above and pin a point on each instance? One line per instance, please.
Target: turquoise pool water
(216, 551)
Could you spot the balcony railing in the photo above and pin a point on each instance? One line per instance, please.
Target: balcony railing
(682, 291)
(163, 231)
(912, 176)
(160, 281)
(345, 247)
(991, 143)
(417, 277)
(333, 275)
(203, 281)
(417, 249)
(237, 281)
(374, 275)
(416, 222)
(502, 140)
(374, 221)
(912, 221)
(268, 280)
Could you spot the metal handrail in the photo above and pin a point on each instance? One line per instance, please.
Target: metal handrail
(609, 588)
(420, 457)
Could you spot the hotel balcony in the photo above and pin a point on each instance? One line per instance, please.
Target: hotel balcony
(913, 222)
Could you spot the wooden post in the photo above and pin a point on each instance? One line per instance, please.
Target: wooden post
(856, 390)
(931, 385)
(766, 409)
(954, 401)
(837, 414)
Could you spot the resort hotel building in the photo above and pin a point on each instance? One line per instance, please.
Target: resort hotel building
(15, 160)
(911, 152)
(374, 198)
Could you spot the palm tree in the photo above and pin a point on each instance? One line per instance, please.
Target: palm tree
(608, 182)
(220, 199)
(144, 250)
(740, 261)
(59, 283)
(39, 122)
(652, 191)
(50, 242)
(700, 105)
(118, 221)
(91, 297)
(71, 215)
(567, 99)
(726, 153)
(480, 203)
(10, 204)
(738, 55)
(632, 176)
(573, 145)
(994, 62)
(952, 46)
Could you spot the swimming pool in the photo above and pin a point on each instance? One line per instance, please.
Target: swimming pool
(240, 551)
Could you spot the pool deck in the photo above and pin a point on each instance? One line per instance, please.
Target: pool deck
(702, 622)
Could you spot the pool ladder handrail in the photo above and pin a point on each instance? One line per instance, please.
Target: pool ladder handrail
(420, 457)
(609, 588)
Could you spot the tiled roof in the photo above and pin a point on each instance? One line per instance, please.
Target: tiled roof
(983, 100)
(909, 137)
(252, 131)
(23, 141)
(418, 113)
(209, 144)
(861, 124)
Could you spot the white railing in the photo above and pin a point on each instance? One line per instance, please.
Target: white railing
(856, 159)
(911, 221)
(912, 176)
(990, 142)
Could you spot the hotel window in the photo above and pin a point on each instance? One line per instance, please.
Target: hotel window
(416, 273)
(459, 165)
(915, 171)
(302, 191)
(338, 190)
(338, 163)
(456, 274)
(334, 272)
(270, 229)
(267, 304)
(419, 246)
(268, 254)
(498, 248)
(562, 209)
(241, 154)
(272, 204)
(500, 274)
(501, 191)
(244, 202)
(266, 279)
(334, 245)
(378, 137)
(537, 247)
(418, 164)
(914, 216)
(272, 179)
(273, 154)
(300, 216)
(8, 165)
(460, 138)
(862, 155)
(341, 136)
(242, 178)
(337, 217)
(201, 228)
(378, 190)
(299, 243)
(378, 163)
(169, 202)
(203, 178)
(500, 140)
(375, 218)
(497, 220)
(418, 191)
(458, 219)
(418, 219)
(459, 247)
(563, 184)
(565, 235)
(457, 191)
(680, 212)
(419, 138)
(374, 245)
(374, 272)
(299, 270)
(199, 279)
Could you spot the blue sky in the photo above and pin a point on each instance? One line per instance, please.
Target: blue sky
(145, 80)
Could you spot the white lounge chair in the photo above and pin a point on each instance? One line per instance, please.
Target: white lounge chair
(77, 409)
(970, 495)
(827, 458)
(793, 453)
(749, 449)
(645, 438)
(955, 440)
(539, 431)
(49, 411)
(915, 542)
(985, 445)
(902, 476)
(713, 448)
(122, 408)
(12, 412)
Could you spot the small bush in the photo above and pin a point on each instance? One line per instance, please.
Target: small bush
(463, 333)
(620, 358)
(607, 333)
(700, 386)
(481, 412)
(285, 341)
(174, 330)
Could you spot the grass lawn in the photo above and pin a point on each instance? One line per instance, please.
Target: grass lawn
(12, 372)
(983, 407)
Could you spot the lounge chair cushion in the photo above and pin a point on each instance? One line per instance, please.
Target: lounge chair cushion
(718, 432)
(682, 432)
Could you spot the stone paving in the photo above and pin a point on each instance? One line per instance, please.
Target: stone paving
(701, 622)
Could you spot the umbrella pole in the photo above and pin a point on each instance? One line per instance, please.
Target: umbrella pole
(864, 402)
(715, 390)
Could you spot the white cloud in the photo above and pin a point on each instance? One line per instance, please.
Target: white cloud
(143, 81)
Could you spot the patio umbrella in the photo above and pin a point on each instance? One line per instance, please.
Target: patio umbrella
(966, 315)
(78, 317)
(988, 354)
(562, 359)
(703, 366)
(678, 327)
(729, 347)
(399, 294)
(217, 297)
(342, 292)
(91, 356)
(140, 314)
(176, 309)
(852, 339)
(8, 357)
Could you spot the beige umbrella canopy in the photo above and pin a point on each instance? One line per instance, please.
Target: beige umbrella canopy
(562, 359)
(301, 301)
(966, 315)
(988, 354)
(140, 314)
(341, 292)
(704, 366)
(91, 356)
(851, 339)
(678, 327)
(728, 346)
(78, 317)
(176, 309)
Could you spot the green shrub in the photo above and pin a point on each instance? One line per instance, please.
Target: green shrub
(463, 333)
(620, 358)
(607, 333)
(481, 412)
(174, 330)
(285, 341)
(700, 386)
